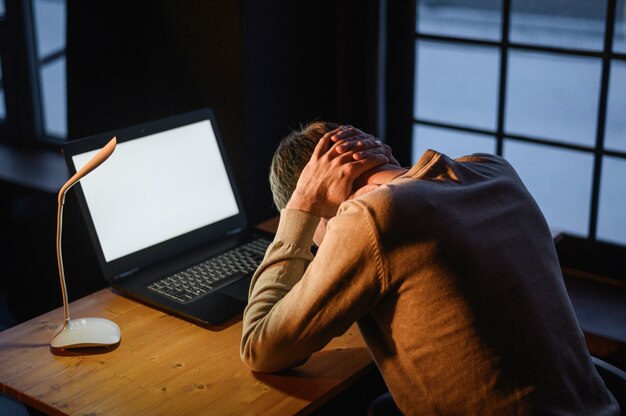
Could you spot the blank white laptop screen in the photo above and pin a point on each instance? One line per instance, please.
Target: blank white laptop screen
(157, 187)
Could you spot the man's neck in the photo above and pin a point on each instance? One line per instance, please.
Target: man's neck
(380, 175)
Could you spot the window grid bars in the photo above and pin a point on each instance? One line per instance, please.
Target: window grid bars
(606, 55)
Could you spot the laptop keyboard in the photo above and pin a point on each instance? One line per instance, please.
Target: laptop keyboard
(188, 285)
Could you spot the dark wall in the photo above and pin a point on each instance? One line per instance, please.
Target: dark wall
(263, 66)
(304, 60)
(131, 62)
(29, 275)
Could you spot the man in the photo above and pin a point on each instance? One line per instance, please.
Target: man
(448, 267)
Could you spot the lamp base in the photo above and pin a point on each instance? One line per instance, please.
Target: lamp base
(86, 332)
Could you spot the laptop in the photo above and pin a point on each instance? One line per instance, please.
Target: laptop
(166, 220)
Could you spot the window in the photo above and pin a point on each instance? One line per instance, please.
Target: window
(49, 16)
(3, 111)
(542, 83)
(33, 92)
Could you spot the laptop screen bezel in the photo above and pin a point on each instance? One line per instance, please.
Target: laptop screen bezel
(174, 246)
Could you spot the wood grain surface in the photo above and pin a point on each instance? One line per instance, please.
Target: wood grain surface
(164, 366)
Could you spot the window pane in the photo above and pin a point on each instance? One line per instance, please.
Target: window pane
(449, 142)
(49, 26)
(471, 19)
(615, 135)
(553, 96)
(54, 98)
(456, 84)
(578, 25)
(558, 179)
(3, 110)
(619, 41)
(612, 210)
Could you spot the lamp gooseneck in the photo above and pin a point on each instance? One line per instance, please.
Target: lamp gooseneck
(87, 331)
(66, 313)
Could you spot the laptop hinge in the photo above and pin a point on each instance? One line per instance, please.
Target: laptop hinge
(234, 231)
(125, 274)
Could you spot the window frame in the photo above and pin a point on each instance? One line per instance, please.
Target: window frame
(21, 78)
(606, 55)
(23, 122)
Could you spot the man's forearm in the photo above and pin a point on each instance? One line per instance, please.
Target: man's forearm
(284, 265)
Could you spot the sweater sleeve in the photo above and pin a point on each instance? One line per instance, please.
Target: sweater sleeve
(298, 303)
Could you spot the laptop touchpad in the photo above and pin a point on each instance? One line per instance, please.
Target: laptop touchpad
(238, 289)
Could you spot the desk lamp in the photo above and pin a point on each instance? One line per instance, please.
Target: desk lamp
(82, 332)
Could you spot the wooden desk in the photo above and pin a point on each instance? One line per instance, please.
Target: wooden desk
(165, 366)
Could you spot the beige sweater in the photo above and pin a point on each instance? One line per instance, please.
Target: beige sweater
(451, 273)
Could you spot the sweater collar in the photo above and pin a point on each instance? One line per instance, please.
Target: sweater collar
(423, 165)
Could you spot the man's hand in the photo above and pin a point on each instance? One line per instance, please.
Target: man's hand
(327, 180)
(356, 140)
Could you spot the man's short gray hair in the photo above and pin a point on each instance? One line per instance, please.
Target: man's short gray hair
(291, 156)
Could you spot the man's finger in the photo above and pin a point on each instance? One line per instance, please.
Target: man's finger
(344, 133)
(365, 153)
(382, 149)
(392, 160)
(322, 146)
(334, 132)
(340, 158)
(361, 143)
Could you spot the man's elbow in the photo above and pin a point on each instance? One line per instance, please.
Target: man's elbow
(266, 359)
(258, 361)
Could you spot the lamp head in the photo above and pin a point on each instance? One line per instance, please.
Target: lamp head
(93, 163)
